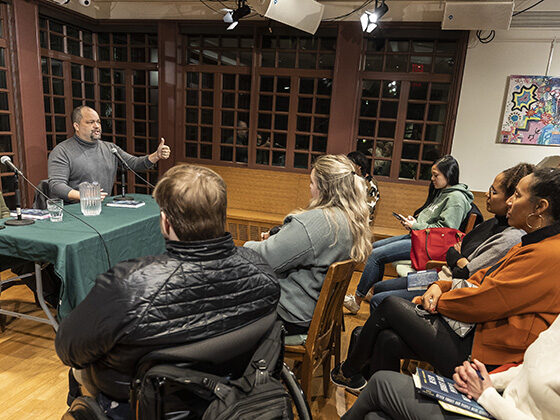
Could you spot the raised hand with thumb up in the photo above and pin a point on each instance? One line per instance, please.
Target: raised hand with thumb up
(163, 152)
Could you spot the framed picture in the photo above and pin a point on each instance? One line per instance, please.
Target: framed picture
(532, 111)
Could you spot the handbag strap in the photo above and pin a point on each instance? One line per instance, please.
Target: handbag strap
(427, 251)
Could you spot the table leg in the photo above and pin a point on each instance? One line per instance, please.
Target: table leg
(39, 283)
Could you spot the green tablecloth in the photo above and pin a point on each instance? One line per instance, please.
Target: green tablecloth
(77, 252)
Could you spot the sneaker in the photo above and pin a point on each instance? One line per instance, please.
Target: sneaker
(354, 383)
(351, 304)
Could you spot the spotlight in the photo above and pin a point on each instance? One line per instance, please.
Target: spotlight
(369, 19)
(233, 16)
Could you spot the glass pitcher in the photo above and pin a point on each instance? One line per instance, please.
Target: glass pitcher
(90, 198)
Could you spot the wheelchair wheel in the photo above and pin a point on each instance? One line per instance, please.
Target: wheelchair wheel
(85, 408)
(298, 397)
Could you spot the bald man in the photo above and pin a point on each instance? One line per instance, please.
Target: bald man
(85, 158)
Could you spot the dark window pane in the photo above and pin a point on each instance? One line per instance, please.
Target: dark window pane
(47, 104)
(140, 113)
(374, 62)
(228, 100)
(282, 103)
(306, 85)
(267, 84)
(434, 133)
(396, 63)
(228, 118)
(119, 54)
(278, 158)
(119, 111)
(386, 129)
(322, 106)
(104, 54)
(408, 170)
(76, 71)
(413, 131)
(303, 123)
(370, 88)
(444, 65)
(439, 92)
(244, 82)
(319, 144)
(57, 84)
(307, 60)
(425, 172)
(57, 43)
(241, 154)
(190, 150)
(375, 44)
(120, 127)
(87, 51)
(305, 105)
(302, 142)
(398, 46)
(206, 134)
(308, 43)
(104, 75)
(280, 140)
(89, 91)
(138, 55)
(76, 89)
(103, 37)
(207, 98)
(364, 146)
(287, 59)
(58, 105)
(268, 59)
(207, 116)
(263, 157)
(324, 86)
(388, 109)
(5, 122)
(280, 122)
(283, 84)
(321, 125)
(300, 160)
(366, 128)
(265, 121)
(437, 113)
(105, 92)
(446, 46)
(207, 80)
(119, 92)
(228, 81)
(191, 132)
(430, 152)
(265, 102)
(382, 167)
(227, 135)
(73, 47)
(46, 84)
(420, 64)
(59, 124)
(410, 151)
(423, 46)
(140, 146)
(106, 110)
(118, 77)
(226, 153)
(192, 97)
(244, 101)
(418, 90)
(56, 68)
(415, 111)
(326, 61)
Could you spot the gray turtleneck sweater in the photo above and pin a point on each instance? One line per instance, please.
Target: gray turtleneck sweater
(75, 161)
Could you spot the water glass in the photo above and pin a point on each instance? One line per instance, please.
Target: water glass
(90, 198)
(54, 206)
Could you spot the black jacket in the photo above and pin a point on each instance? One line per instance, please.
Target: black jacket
(194, 291)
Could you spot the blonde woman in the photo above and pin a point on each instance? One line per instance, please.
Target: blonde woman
(332, 228)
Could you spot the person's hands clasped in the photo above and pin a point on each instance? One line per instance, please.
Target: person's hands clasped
(457, 247)
(431, 297)
(472, 379)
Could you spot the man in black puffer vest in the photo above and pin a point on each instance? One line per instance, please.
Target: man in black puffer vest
(201, 287)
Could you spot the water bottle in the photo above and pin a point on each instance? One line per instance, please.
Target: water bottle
(90, 198)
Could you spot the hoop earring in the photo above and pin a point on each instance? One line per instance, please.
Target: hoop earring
(533, 214)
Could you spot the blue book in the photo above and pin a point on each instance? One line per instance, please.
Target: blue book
(420, 280)
(443, 389)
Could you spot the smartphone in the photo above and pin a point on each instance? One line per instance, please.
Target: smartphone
(399, 217)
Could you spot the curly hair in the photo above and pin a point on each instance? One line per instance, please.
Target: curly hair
(513, 175)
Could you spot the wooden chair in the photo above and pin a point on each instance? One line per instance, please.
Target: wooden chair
(323, 337)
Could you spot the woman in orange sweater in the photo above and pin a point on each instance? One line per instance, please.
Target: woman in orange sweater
(510, 302)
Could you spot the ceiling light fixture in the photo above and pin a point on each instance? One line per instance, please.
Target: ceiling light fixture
(369, 19)
(232, 16)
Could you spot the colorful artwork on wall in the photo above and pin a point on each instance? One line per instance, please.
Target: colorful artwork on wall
(532, 111)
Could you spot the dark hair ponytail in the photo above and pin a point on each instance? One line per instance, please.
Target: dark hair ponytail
(449, 168)
(546, 184)
(359, 159)
(513, 175)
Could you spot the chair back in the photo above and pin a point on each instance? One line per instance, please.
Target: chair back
(39, 201)
(328, 312)
(473, 218)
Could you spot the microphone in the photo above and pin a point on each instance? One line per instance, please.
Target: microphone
(120, 158)
(18, 221)
(14, 222)
(123, 196)
(8, 162)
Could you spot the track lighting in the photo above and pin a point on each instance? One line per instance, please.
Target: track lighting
(369, 19)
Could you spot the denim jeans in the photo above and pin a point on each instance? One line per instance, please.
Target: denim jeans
(384, 251)
(392, 287)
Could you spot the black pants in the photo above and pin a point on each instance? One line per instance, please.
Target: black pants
(396, 331)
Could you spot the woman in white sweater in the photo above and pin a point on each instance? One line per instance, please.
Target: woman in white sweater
(528, 391)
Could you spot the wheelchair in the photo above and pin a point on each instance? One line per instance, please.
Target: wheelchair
(226, 355)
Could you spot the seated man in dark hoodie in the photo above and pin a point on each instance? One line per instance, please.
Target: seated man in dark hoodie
(202, 286)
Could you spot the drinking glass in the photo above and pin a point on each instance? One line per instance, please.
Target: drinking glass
(54, 206)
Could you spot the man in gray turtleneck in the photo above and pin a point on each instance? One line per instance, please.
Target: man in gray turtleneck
(85, 158)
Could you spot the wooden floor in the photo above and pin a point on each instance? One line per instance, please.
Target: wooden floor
(33, 381)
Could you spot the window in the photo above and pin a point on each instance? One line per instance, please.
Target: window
(54, 100)
(405, 102)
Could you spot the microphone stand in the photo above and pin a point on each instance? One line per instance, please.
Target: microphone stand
(19, 221)
(123, 196)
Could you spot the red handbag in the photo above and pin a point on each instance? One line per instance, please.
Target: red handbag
(432, 244)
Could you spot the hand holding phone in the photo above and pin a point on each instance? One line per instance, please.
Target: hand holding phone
(399, 217)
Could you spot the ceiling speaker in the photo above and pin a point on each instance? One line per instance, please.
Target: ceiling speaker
(477, 15)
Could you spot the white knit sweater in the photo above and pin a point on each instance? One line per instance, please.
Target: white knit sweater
(532, 389)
